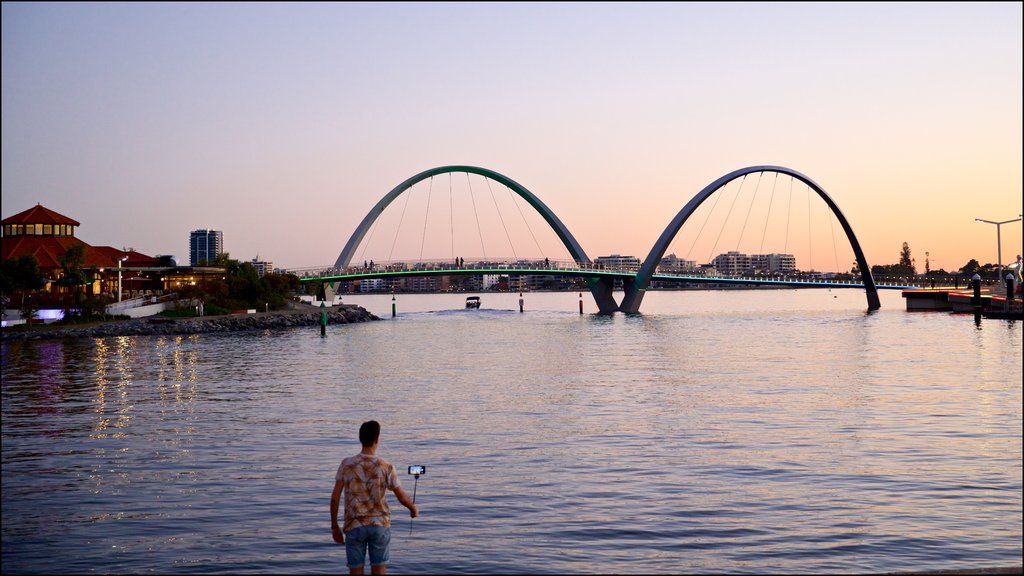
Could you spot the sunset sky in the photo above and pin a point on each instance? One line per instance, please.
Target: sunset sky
(283, 124)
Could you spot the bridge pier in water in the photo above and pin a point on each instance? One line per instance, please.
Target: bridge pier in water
(602, 288)
(632, 299)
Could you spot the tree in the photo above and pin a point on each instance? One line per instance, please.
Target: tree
(905, 259)
(891, 270)
(243, 287)
(73, 277)
(970, 268)
(20, 274)
(905, 267)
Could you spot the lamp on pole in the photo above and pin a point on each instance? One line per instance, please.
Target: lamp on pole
(119, 260)
(999, 240)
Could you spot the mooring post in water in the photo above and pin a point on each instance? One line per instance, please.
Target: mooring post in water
(520, 302)
(1009, 292)
(393, 310)
(323, 319)
(581, 302)
(976, 284)
(976, 299)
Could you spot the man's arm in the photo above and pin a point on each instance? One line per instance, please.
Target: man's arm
(336, 533)
(406, 501)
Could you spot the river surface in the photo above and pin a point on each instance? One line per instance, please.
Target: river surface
(720, 431)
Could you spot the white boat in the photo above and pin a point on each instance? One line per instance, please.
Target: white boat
(472, 302)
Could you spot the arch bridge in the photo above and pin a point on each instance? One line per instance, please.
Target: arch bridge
(599, 280)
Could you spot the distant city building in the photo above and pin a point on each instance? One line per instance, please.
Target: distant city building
(731, 263)
(672, 263)
(422, 284)
(773, 263)
(371, 285)
(490, 280)
(738, 264)
(617, 262)
(204, 246)
(262, 267)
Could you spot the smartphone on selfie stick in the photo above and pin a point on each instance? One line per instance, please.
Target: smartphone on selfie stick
(416, 472)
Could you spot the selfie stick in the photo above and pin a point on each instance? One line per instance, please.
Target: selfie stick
(415, 483)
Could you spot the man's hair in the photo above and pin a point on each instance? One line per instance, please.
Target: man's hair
(368, 433)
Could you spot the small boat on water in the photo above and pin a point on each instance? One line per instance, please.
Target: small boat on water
(472, 302)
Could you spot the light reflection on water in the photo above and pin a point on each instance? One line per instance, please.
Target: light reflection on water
(781, 431)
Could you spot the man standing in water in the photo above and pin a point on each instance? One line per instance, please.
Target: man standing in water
(365, 479)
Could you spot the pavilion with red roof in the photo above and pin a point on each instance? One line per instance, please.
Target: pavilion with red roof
(46, 235)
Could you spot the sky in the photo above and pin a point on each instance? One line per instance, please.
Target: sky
(283, 124)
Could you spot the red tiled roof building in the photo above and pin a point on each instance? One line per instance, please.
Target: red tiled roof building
(46, 235)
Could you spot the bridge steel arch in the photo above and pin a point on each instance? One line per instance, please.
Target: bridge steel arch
(635, 292)
(601, 289)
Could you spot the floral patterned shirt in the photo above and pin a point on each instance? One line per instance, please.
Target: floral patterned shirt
(366, 481)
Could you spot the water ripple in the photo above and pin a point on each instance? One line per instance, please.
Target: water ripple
(723, 432)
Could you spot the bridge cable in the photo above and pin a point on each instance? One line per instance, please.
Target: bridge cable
(810, 245)
(523, 216)
(451, 213)
(369, 239)
(401, 219)
(789, 215)
(771, 199)
(423, 239)
(477, 216)
(749, 209)
(701, 231)
(495, 200)
(832, 228)
(731, 206)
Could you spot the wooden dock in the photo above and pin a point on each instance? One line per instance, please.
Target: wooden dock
(923, 299)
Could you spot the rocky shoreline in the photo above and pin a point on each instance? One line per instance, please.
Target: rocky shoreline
(160, 326)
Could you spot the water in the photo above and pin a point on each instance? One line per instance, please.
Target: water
(733, 431)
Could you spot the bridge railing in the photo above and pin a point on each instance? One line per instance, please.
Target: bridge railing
(790, 278)
(541, 266)
(515, 266)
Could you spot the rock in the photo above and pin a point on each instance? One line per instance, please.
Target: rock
(206, 325)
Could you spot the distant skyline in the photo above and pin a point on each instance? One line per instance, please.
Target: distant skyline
(283, 124)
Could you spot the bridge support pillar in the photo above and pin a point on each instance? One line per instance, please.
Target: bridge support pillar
(601, 288)
(873, 302)
(631, 301)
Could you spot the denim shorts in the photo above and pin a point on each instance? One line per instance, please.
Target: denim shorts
(376, 539)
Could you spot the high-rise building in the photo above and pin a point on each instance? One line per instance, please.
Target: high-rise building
(205, 246)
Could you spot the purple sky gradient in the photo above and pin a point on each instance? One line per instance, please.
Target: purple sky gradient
(283, 124)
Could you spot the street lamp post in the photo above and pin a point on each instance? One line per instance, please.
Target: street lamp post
(999, 240)
(119, 260)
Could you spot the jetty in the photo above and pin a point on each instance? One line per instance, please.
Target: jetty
(957, 301)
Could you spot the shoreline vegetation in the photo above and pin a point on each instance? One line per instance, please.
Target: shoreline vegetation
(296, 315)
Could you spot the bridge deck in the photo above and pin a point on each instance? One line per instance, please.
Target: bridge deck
(364, 274)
